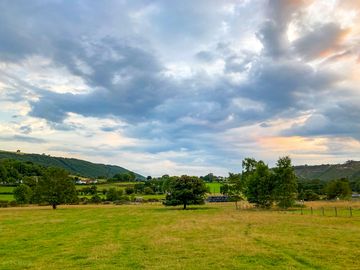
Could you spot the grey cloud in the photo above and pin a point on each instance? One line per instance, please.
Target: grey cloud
(318, 41)
(341, 119)
(205, 56)
(272, 33)
(25, 129)
(22, 138)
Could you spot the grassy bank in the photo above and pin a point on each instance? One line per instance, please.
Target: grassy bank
(155, 237)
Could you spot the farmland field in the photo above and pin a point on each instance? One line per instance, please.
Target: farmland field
(214, 187)
(154, 237)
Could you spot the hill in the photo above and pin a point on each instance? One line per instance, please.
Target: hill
(74, 166)
(326, 172)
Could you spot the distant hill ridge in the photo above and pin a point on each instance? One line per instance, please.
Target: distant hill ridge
(74, 166)
(350, 169)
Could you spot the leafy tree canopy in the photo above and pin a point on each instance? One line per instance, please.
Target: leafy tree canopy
(55, 187)
(185, 190)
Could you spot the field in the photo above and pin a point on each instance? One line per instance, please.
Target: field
(214, 187)
(154, 237)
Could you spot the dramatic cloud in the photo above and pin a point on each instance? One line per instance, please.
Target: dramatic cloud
(181, 87)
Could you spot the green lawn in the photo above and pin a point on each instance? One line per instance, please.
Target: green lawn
(6, 189)
(155, 237)
(6, 197)
(214, 187)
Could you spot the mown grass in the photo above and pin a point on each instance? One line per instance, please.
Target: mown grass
(154, 237)
(6, 197)
(214, 187)
(6, 189)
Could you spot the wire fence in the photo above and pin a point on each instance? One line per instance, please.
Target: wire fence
(327, 211)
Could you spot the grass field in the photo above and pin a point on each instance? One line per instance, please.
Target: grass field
(155, 237)
(214, 187)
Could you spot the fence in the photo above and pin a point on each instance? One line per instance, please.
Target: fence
(326, 211)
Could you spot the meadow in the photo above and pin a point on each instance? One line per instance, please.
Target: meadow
(151, 236)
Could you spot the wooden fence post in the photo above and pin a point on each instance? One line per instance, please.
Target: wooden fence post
(311, 210)
(322, 211)
(350, 211)
(335, 212)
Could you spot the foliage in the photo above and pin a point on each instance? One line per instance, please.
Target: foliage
(23, 194)
(327, 172)
(234, 188)
(148, 191)
(139, 188)
(260, 183)
(129, 190)
(285, 183)
(339, 188)
(55, 187)
(124, 177)
(14, 171)
(315, 185)
(309, 195)
(74, 166)
(185, 190)
(92, 190)
(114, 194)
(95, 198)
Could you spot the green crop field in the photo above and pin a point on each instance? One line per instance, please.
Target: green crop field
(154, 237)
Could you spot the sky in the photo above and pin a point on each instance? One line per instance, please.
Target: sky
(181, 87)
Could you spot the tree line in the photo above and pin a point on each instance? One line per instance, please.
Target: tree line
(257, 183)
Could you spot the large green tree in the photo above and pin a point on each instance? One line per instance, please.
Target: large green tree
(55, 187)
(234, 188)
(259, 181)
(285, 191)
(185, 190)
(339, 188)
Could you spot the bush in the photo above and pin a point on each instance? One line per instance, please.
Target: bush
(311, 196)
(113, 194)
(95, 199)
(148, 191)
(338, 189)
(23, 194)
(129, 190)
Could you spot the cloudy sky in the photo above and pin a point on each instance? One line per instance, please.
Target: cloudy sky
(181, 86)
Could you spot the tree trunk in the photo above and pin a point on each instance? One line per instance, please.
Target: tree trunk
(236, 205)
(54, 206)
(184, 206)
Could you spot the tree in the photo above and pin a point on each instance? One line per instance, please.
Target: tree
(3, 173)
(185, 190)
(339, 188)
(234, 188)
(148, 191)
(114, 194)
(285, 183)
(23, 194)
(55, 187)
(259, 183)
(129, 190)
